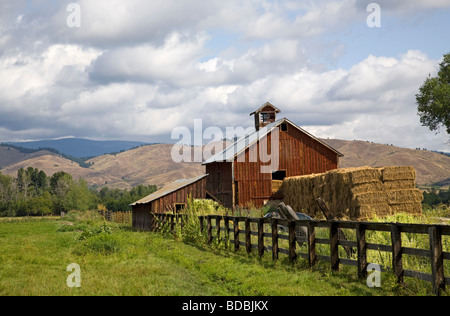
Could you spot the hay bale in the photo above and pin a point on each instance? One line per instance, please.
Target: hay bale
(404, 196)
(398, 173)
(360, 175)
(368, 210)
(355, 192)
(399, 184)
(410, 208)
(370, 198)
(374, 186)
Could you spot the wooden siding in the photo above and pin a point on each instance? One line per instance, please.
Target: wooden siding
(142, 217)
(220, 181)
(299, 154)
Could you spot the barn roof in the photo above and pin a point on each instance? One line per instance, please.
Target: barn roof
(232, 151)
(170, 188)
(266, 105)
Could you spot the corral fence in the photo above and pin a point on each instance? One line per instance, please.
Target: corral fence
(118, 217)
(276, 236)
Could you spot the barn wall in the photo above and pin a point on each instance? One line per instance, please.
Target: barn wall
(299, 154)
(219, 181)
(142, 213)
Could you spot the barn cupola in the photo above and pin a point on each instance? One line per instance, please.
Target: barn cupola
(265, 115)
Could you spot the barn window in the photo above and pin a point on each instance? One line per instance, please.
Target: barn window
(279, 175)
(179, 207)
(284, 127)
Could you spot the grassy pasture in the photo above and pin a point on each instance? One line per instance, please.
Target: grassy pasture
(117, 261)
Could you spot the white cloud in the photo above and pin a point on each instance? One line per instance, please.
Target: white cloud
(139, 68)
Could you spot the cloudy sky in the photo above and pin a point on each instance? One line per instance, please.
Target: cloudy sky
(137, 69)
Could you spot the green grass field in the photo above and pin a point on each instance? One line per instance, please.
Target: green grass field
(117, 261)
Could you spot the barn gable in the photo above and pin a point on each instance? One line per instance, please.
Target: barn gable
(235, 175)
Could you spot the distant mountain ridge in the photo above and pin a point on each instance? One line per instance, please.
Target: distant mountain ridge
(153, 164)
(81, 148)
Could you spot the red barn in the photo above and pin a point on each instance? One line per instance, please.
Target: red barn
(172, 198)
(249, 171)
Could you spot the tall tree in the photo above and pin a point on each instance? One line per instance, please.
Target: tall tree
(434, 98)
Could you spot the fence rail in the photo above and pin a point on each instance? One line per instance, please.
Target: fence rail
(287, 232)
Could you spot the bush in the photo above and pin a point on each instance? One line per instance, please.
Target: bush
(102, 243)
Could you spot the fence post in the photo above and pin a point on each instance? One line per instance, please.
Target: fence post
(201, 218)
(208, 220)
(312, 256)
(261, 237)
(397, 264)
(437, 260)
(236, 233)
(334, 246)
(227, 228)
(248, 239)
(274, 238)
(292, 241)
(362, 250)
(218, 228)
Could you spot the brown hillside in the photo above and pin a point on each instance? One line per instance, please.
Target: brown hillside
(143, 165)
(10, 156)
(430, 167)
(153, 164)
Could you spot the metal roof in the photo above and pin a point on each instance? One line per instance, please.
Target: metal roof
(232, 151)
(170, 188)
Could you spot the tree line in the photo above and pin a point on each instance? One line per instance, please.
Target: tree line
(436, 197)
(33, 193)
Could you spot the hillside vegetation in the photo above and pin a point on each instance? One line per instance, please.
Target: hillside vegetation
(430, 167)
(152, 164)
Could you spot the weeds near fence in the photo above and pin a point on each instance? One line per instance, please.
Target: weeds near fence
(418, 251)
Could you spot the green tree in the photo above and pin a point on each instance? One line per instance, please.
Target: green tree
(79, 197)
(434, 98)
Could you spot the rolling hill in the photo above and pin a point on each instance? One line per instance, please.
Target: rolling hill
(430, 167)
(81, 148)
(152, 164)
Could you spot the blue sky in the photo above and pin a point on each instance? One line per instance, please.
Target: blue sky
(136, 69)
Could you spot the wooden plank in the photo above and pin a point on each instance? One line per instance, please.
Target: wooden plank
(227, 227)
(208, 221)
(334, 246)
(236, 233)
(437, 261)
(218, 219)
(417, 275)
(361, 251)
(397, 263)
(274, 238)
(292, 241)
(312, 256)
(261, 237)
(379, 247)
(248, 240)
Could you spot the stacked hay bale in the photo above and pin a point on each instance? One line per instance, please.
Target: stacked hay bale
(355, 193)
(400, 186)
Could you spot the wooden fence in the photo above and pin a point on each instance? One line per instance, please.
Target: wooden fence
(238, 232)
(118, 217)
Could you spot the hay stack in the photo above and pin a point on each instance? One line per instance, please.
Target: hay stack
(355, 193)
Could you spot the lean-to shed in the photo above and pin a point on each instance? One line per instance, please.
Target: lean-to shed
(171, 198)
